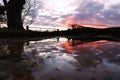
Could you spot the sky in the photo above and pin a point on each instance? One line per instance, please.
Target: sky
(61, 13)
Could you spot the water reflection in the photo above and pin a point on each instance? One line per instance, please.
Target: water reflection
(60, 59)
(11, 48)
(96, 51)
(12, 63)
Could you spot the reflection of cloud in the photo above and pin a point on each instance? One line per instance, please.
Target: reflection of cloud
(94, 51)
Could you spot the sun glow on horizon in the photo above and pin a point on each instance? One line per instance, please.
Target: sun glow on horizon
(47, 28)
(89, 13)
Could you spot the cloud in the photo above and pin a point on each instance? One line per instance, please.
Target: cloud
(98, 13)
(112, 15)
(51, 11)
(1, 2)
(31, 8)
(94, 13)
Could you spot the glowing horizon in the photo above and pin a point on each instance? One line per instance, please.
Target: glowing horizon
(90, 13)
(99, 14)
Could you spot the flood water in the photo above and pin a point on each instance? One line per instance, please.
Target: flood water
(59, 59)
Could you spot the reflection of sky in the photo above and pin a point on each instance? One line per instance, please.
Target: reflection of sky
(90, 60)
(49, 59)
(103, 49)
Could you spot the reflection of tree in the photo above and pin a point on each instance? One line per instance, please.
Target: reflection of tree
(15, 48)
(20, 70)
(85, 39)
(15, 66)
(16, 69)
(85, 57)
(11, 48)
(90, 53)
(75, 42)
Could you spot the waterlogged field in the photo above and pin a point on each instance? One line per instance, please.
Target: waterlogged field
(60, 59)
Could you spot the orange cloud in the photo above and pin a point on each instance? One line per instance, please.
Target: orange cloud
(69, 20)
(95, 23)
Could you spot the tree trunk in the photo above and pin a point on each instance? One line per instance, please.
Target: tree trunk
(14, 10)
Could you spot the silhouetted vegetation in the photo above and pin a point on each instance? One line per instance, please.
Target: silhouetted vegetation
(81, 32)
(78, 30)
(13, 11)
(2, 14)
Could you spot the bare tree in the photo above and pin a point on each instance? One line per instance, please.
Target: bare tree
(13, 11)
(74, 26)
(28, 11)
(2, 15)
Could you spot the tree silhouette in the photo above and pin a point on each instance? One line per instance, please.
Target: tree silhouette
(75, 26)
(13, 11)
(2, 10)
(2, 14)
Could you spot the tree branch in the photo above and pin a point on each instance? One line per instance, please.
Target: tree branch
(5, 2)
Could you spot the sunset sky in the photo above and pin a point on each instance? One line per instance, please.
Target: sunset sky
(97, 13)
